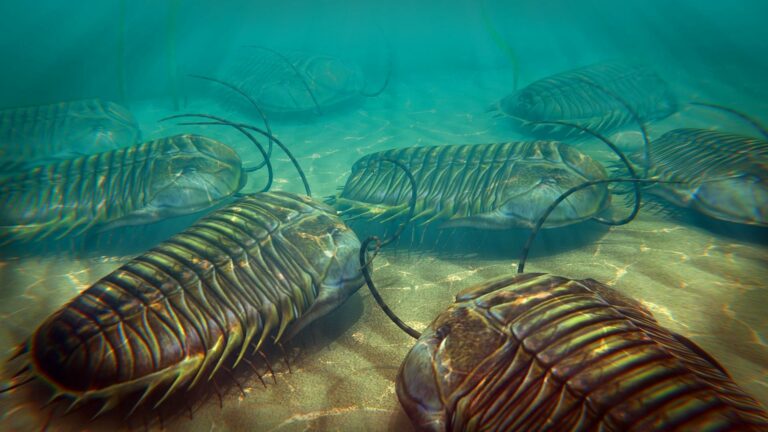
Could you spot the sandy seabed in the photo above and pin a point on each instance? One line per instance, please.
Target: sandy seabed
(697, 280)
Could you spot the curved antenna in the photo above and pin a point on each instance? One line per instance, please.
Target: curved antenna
(646, 142)
(620, 154)
(561, 198)
(221, 121)
(242, 129)
(389, 68)
(239, 91)
(298, 73)
(737, 113)
(364, 264)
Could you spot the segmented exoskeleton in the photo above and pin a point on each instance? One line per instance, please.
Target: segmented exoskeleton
(592, 97)
(492, 186)
(36, 134)
(255, 272)
(722, 175)
(539, 352)
(167, 177)
(296, 83)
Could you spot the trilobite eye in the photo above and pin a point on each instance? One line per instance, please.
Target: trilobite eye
(188, 170)
(526, 100)
(334, 232)
(443, 331)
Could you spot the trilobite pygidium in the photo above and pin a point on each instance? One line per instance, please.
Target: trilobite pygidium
(42, 134)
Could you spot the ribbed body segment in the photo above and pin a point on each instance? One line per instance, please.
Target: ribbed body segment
(724, 175)
(587, 97)
(295, 83)
(540, 352)
(256, 271)
(36, 134)
(167, 177)
(493, 186)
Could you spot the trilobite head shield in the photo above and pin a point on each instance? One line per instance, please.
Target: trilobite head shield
(549, 170)
(522, 105)
(741, 198)
(192, 174)
(332, 254)
(443, 361)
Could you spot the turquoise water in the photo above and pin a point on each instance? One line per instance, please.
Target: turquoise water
(449, 62)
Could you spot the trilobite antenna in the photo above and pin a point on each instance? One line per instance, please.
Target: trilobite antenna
(296, 71)
(220, 121)
(647, 150)
(241, 128)
(239, 91)
(561, 198)
(365, 263)
(624, 160)
(739, 114)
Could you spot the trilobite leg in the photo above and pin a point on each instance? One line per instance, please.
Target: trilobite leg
(256, 371)
(218, 393)
(269, 366)
(190, 413)
(285, 356)
(237, 383)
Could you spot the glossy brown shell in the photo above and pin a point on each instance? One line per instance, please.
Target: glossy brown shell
(254, 272)
(540, 352)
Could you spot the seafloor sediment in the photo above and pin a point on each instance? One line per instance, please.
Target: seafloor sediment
(701, 281)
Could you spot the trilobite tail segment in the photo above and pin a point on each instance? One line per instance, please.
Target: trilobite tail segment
(539, 352)
(43, 132)
(172, 317)
(722, 175)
